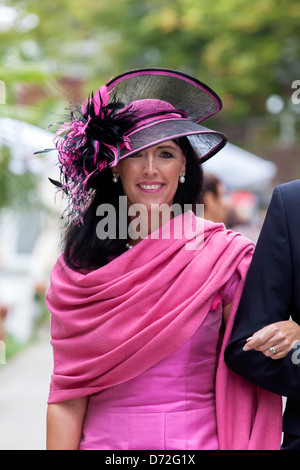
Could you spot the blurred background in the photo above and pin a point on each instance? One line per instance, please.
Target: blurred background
(53, 53)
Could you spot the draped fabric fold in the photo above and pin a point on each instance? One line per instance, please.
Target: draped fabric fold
(111, 324)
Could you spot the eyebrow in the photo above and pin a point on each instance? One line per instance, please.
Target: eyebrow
(162, 146)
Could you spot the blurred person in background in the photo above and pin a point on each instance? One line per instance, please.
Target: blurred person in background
(3, 315)
(213, 197)
(139, 324)
(219, 208)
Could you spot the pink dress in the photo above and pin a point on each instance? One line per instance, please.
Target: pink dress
(169, 406)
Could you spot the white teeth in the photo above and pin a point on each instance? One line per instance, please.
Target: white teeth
(150, 186)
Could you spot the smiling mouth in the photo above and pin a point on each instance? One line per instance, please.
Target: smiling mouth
(150, 187)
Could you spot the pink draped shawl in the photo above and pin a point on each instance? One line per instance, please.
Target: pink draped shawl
(113, 323)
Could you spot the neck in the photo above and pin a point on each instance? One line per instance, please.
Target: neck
(148, 221)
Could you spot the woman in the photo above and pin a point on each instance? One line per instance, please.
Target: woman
(141, 315)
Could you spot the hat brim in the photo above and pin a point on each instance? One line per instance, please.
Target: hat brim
(177, 88)
(205, 142)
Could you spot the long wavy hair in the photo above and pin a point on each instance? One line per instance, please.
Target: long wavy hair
(84, 250)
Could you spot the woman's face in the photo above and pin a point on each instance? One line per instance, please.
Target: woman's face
(151, 175)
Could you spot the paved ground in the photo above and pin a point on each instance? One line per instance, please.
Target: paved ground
(24, 385)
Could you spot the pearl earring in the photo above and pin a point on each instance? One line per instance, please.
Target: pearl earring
(182, 178)
(115, 178)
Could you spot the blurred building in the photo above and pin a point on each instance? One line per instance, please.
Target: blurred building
(29, 239)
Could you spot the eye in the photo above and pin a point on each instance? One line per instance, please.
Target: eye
(165, 154)
(135, 155)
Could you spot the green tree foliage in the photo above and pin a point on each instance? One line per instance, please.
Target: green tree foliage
(16, 190)
(246, 50)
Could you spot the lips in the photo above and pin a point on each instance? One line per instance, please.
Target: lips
(152, 187)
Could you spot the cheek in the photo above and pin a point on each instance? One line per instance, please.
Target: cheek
(127, 171)
(175, 173)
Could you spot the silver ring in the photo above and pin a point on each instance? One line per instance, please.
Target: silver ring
(273, 350)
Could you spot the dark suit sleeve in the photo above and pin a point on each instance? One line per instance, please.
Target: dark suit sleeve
(268, 298)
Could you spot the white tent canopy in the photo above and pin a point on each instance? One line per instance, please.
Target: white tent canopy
(23, 140)
(241, 170)
(237, 168)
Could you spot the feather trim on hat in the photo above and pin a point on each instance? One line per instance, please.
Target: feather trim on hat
(88, 142)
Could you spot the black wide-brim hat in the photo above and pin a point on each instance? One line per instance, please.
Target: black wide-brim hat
(133, 111)
(169, 104)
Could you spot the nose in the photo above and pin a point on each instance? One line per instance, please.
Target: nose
(149, 167)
